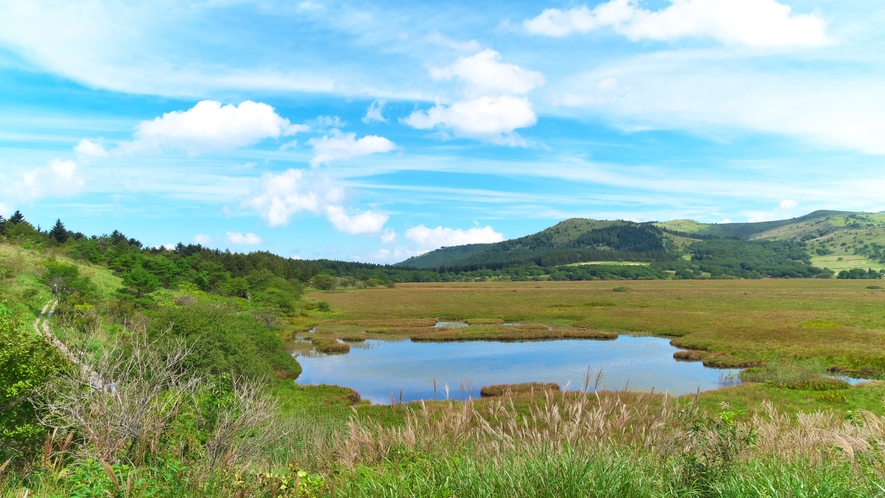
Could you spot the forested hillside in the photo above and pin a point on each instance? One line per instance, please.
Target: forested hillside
(568, 242)
(820, 244)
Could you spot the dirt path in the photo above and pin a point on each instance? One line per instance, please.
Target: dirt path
(91, 376)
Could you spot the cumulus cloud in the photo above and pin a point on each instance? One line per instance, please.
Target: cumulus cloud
(250, 239)
(346, 146)
(87, 149)
(202, 239)
(365, 223)
(433, 238)
(60, 178)
(484, 74)
(494, 105)
(64, 170)
(788, 204)
(393, 255)
(388, 235)
(210, 126)
(374, 112)
(422, 239)
(489, 119)
(279, 196)
(756, 23)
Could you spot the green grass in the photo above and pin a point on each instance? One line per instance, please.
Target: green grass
(746, 398)
(606, 473)
(612, 263)
(837, 262)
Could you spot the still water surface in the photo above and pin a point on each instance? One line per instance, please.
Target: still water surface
(381, 368)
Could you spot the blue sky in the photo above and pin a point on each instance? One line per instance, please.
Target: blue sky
(374, 131)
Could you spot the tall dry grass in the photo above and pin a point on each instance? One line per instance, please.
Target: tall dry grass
(668, 430)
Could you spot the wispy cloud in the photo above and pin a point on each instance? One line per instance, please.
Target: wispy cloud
(756, 23)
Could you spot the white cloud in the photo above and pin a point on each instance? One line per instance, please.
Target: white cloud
(64, 170)
(374, 112)
(444, 41)
(346, 146)
(708, 91)
(423, 240)
(756, 23)
(388, 235)
(279, 196)
(429, 239)
(209, 126)
(87, 148)
(326, 122)
(483, 74)
(250, 239)
(493, 107)
(60, 178)
(5, 210)
(778, 213)
(365, 223)
(394, 255)
(490, 119)
(202, 239)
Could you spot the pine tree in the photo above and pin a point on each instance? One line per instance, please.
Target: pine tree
(59, 233)
(2, 225)
(141, 281)
(17, 218)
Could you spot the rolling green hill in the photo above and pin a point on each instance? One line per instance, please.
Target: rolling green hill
(838, 240)
(571, 241)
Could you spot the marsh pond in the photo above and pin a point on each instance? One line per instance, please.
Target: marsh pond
(408, 370)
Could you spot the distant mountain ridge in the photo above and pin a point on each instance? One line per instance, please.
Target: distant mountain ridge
(830, 237)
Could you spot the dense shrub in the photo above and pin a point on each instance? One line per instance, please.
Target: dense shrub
(26, 362)
(226, 341)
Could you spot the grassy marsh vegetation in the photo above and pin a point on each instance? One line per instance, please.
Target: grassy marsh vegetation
(735, 322)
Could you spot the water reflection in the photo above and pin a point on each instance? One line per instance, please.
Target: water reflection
(383, 368)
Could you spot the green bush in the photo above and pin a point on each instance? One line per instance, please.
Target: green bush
(226, 341)
(26, 362)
